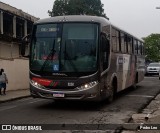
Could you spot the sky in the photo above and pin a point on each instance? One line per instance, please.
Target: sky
(138, 17)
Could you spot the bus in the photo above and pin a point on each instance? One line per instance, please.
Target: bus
(84, 58)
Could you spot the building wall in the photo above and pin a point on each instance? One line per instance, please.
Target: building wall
(14, 25)
(16, 67)
(17, 12)
(9, 50)
(17, 71)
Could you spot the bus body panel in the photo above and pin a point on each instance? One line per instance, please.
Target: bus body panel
(123, 69)
(123, 66)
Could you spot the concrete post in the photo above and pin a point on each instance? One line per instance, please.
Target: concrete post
(14, 27)
(1, 22)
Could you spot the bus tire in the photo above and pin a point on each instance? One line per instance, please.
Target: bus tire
(113, 90)
(134, 86)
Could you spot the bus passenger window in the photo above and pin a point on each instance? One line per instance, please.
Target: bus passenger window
(125, 43)
(129, 45)
(139, 48)
(119, 39)
(114, 40)
(135, 46)
(143, 52)
(118, 45)
(132, 46)
(105, 51)
(122, 43)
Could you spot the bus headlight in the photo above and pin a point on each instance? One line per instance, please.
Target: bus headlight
(87, 85)
(36, 84)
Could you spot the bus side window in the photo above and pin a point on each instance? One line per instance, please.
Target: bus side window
(119, 41)
(114, 40)
(125, 43)
(135, 47)
(139, 48)
(143, 52)
(132, 45)
(122, 42)
(118, 45)
(105, 51)
(129, 45)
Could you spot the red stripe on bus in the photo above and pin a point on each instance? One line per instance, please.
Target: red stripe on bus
(41, 81)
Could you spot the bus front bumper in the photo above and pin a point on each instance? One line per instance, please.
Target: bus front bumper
(90, 94)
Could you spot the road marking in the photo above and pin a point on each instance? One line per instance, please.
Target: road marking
(11, 107)
(35, 101)
(30, 99)
(6, 108)
(25, 99)
(140, 96)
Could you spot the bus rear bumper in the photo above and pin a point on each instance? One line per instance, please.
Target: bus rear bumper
(91, 94)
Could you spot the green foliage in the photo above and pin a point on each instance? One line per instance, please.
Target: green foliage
(152, 47)
(77, 7)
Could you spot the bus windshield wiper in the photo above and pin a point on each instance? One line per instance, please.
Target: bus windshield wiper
(70, 61)
(52, 52)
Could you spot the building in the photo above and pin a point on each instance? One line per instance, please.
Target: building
(14, 25)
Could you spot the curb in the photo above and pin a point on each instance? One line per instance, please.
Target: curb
(13, 99)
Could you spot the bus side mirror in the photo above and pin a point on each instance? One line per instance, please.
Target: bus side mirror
(24, 45)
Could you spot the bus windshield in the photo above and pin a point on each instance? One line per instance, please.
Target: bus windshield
(69, 48)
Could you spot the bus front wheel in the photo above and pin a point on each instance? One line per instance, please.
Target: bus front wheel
(112, 91)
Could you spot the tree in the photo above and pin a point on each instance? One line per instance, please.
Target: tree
(77, 7)
(60, 8)
(152, 47)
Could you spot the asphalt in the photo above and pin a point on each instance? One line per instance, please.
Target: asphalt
(148, 120)
(149, 115)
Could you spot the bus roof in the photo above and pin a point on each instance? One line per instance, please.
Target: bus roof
(74, 18)
(82, 18)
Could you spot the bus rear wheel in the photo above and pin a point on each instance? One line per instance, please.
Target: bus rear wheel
(134, 86)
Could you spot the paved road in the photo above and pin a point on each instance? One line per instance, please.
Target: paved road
(40, 111)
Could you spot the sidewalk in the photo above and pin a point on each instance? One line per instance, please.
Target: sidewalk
(149, 115)
(14, 94)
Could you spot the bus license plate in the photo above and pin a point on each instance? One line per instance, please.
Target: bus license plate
(58, 95)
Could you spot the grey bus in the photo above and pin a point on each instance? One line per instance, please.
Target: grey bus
(82, 57)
